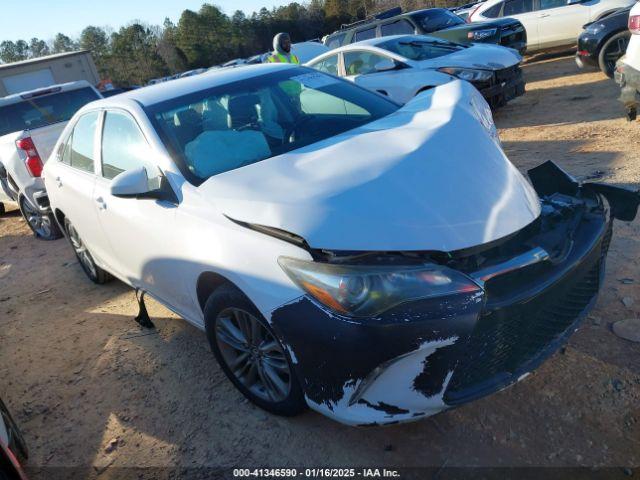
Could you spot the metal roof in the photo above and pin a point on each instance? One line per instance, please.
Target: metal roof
(31, 61)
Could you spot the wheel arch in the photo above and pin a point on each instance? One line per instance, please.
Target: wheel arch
(207, 283)
(60, 217)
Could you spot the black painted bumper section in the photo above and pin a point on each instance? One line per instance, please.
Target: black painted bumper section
(332, 351)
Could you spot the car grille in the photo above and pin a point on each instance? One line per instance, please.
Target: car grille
(509, 341)
(508, 74)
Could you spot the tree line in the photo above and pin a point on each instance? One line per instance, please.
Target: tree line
(138, 51)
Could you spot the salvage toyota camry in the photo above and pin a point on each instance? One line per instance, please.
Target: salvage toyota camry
(340, 251)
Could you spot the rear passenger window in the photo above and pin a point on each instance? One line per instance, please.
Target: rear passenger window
(516, 7)
(123, 146)
(401, 27)
(494, 12)
(365, 34)
(80, 155)
(328, 65)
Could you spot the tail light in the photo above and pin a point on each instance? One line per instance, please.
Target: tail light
(33, 161)
(634, 24)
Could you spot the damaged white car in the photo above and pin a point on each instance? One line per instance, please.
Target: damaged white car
(341, 252)
(402, 66)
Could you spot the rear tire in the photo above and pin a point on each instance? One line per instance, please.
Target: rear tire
(250, 353)
(611, 51)
(43, 225)
(94, 272)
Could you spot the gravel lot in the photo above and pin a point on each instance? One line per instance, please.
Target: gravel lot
(92, 391)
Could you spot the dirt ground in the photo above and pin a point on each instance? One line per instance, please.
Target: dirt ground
(93, 391)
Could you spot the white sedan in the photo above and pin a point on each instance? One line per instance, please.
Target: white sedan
(401, 66)
(341, 251)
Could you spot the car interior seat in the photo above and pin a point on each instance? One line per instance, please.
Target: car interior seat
(243, 111)
(188, 125)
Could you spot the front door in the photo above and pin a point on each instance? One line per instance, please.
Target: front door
(138, 231)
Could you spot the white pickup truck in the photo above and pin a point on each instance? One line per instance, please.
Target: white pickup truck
(30, 124)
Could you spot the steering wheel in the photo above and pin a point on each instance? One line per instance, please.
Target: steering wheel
(299, 122)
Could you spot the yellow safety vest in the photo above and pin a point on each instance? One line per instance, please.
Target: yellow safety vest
(280, 58)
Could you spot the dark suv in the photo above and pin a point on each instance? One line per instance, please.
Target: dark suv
(437, 22)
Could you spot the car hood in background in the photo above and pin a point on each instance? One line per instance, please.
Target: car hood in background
(478, 55)
(427, 177)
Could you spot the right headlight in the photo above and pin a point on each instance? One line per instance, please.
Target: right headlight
(368, 290)
(468, 74)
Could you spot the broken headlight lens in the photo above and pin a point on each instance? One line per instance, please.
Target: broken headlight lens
(468, 74)
(480, 35)
(368, 290)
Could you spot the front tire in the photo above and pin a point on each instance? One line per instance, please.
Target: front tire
(250, 353)
(93, 271)
(43, 225)
(611, 51)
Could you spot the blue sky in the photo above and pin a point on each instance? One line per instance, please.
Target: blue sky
(24, 19)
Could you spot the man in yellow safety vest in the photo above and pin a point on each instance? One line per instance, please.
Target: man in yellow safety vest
(282, 50)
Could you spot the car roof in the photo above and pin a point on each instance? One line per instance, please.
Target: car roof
(375, 43)
(153, 94)
(60, 87)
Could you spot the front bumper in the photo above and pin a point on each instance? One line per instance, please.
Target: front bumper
(426, 356)
(505, 85)
(587, 53)
(629, 80)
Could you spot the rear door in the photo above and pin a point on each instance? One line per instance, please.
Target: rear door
(561, 22)
(134, 230)
(74, 181)
(525, 12)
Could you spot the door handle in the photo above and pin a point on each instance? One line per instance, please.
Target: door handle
(58, 182)
(544, 15)
(101, 204)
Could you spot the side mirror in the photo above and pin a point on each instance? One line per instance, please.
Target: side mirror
(135, 183)
(131, 183)
(385, 65)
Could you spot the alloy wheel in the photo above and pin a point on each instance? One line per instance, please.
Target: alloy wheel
(39, 223)
(253, 354)
(81, 251)
(614, 51)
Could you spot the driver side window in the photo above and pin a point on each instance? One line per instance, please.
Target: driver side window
(361, 63)
(123, 146)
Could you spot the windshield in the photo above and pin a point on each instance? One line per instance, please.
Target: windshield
(417, 48)
(227, 127)
(436, 19)
(38, 112)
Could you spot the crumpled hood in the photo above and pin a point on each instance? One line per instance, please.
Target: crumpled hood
(479, 55)
(428, 177)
